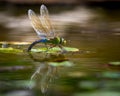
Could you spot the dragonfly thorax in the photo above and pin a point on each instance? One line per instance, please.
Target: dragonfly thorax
(57, 41)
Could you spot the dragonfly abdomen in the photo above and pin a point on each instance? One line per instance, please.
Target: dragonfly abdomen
(43, 40)
(35, 42)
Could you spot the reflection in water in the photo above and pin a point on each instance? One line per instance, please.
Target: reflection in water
(47, 71)
(44, 75)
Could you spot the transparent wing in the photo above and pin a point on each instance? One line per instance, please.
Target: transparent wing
(36, 23)
(45, 20)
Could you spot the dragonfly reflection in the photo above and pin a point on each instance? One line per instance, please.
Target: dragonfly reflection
(44, 29)
(44, 76)
(47, 70)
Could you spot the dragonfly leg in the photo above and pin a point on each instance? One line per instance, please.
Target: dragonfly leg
(52, 46)
(35, 42)
(48, 48)
(63, 49)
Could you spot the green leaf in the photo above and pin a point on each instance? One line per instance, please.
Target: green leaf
(115, 63)
(98, 93)
(55, 49)
(64, 63)
(10, 50)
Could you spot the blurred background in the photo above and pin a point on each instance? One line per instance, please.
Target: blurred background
(92, 26)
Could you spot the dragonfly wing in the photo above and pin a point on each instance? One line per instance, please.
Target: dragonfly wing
(36, 23)
(45, 20)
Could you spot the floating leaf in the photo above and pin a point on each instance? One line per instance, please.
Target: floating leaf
(111, 75)
(98, 93)
(15, 43)
(115, 63)
(55, 49)
(10, 50)
(39, 50)
(64, 63)
(88, 85)
(71, 49)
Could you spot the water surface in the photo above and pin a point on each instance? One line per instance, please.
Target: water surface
(89, 72)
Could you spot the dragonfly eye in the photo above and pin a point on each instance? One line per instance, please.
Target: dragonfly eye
(63, 41)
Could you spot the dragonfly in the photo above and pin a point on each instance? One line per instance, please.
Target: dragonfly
(44, 29)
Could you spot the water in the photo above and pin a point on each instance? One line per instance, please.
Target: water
(90, 72)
